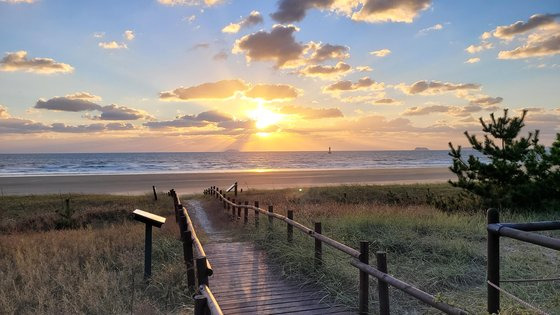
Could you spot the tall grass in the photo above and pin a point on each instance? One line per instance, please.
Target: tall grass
(95, 267)
(441, 253)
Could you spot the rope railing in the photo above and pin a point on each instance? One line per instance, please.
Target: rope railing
(360, 261)
(198, 266)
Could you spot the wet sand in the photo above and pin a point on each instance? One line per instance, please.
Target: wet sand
(196, 182)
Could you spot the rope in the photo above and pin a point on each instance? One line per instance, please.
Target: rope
(516, 298)
(531, 280)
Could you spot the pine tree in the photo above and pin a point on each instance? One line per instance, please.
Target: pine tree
(520, 172)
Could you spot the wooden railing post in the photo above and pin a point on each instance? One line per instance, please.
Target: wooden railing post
(290, 228)
(382, 286)
(235, 191)
(201, 271)
(233, 211)
(155, 193)
(200, 305)
(239, 212)
(256, 214)
(246, 213)
(270, 218)
(189, 259)
(318, 246)
(493, 268)
(364, 279)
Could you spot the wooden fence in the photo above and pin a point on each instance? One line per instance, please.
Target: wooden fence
(360, 258)
(198, 266)
(518, 231)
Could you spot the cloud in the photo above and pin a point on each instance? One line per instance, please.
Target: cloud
(390, 11)
(436, 27)
(364, 83)
(113, 45)
(486, 100)
(387, 101)
(253, 18)
(4, 112)
(222, 55)
(536, 46)
(67, 104)
(324, 52)
(116, 112)
(203, 119)
(80, 102)
(380, 53)
(271, 92)
(200, 46)
(129, 35)
(18, 61)
(436, 87)
(208, 3)
(83, 96)
(99, 34)
(473, 60)
(473, 49)
(311, 113)
(326, 72)
(364, 69)
(213, 90)
(63, 128)
(360, 10)
(535, 21)
(418, 111)
(278, 46)
(12, 125)
(281, 47)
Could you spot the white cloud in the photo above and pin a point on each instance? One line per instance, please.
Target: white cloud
(473, 60)
(112, 45)
(380, 53)
(18, 61)
(129, 35)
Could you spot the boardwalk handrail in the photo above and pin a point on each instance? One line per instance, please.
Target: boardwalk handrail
(204, 301)
(518, 231)
(359, 262)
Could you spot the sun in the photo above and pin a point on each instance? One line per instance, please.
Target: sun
(264, 117)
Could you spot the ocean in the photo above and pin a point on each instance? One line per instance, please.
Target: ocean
(189, 162)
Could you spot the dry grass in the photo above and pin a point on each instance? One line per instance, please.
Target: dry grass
(443, 254)
(96, 268)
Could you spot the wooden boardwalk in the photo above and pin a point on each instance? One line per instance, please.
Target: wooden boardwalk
(243, 283)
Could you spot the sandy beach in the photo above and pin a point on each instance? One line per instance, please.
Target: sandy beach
(187, 183)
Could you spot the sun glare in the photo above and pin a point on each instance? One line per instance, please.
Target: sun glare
(264, 117)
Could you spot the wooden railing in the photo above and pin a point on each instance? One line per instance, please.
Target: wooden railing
(360, 257)
(198, 266)
(518, 231)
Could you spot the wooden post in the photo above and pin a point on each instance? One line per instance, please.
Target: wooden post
(246, 213)
(364, 279)
(256, 214)
(239, 212)
(318, 246)
(189, 259)
(233, 211)
(270, 218)
(200, 305)
(155, 193)
(383, 287)
(201, 271)
(148, 252)
(235, 191)
(493, 268)
(290, 228)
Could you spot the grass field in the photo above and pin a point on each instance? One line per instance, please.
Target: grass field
(92, 263)
(441, 253)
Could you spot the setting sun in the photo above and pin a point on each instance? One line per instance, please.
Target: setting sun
(264, 117)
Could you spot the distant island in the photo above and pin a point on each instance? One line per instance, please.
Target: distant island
(421, 149)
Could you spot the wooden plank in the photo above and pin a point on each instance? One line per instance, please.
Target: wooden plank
(279, 308)
(283, 300)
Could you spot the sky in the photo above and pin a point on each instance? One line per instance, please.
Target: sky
(215, 75)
